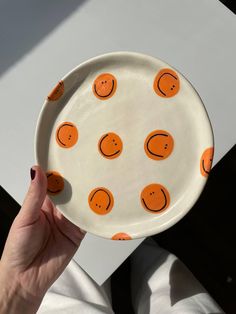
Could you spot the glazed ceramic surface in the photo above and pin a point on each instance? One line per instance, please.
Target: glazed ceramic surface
(126, 144)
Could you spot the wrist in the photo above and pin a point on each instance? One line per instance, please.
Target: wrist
(13, 299)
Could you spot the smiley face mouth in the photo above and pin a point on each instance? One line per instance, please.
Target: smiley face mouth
(104, 96)
(158, 82)
(106, 194)
(156, 210)
(100, 147)
(203, 167)
(59, 87)
(57, 91)
(57, 191)
(58, 131)
(158, 134)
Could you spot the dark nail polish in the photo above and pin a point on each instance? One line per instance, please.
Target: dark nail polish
(32, 173)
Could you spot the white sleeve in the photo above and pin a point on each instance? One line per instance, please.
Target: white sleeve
(161, 283)
(75, 292)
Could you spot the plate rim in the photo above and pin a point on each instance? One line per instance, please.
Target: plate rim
(176, 218)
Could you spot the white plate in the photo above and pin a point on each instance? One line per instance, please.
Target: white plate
(127, 145)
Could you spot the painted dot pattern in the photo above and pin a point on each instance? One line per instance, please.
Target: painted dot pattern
(110, 145)
(158, 145)
(57, 92)
(104, 86)
(206, 161)
(166, 83)
(155, 198)
(121, 236)
(55, 184)
(101, 200)
(66, 135)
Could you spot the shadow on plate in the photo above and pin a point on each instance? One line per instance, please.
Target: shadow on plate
(65, 196)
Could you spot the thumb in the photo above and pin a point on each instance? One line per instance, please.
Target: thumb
(30, 210)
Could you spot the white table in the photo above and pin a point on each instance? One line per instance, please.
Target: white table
(40, 42)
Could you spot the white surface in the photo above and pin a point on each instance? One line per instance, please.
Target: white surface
(133, 112)
(196, 37)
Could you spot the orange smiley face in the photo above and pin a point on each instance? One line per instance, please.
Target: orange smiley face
(159, 145)
(206, 161)
(155, 198)
(55, 182)
(57, 92)
(66, 135)
(101, 201)
(110, 145)
(121, 236)
(166, 83)
(104, 86)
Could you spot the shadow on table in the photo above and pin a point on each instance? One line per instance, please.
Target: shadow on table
(24, 23)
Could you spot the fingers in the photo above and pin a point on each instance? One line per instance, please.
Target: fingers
(64, 225)
(35, 197)
(70, 230)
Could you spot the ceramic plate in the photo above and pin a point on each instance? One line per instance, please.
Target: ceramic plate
(127, 145)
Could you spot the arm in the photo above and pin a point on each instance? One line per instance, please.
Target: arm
(12, 300)
(40, 244)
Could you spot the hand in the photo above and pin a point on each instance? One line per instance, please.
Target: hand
(40, 244)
